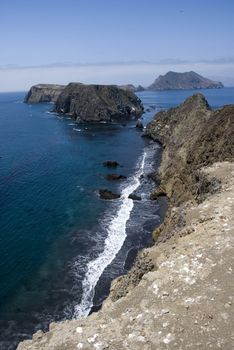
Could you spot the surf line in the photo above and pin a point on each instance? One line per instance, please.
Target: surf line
(113, 243)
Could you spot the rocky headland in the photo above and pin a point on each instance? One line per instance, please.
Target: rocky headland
(184, 81)
(44, 93)
(179, 293)
(95, 103)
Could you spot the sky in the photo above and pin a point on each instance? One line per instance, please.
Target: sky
(113, 41)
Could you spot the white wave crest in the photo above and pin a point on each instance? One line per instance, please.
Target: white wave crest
(113, 243)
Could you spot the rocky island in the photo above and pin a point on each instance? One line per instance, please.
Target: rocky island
(179, 293)
(95, 103)
(184, 81)
(44, 93)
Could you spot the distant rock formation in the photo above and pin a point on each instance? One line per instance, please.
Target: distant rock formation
(130, 87)
(94, 103)
(183, 81)
(44, 93)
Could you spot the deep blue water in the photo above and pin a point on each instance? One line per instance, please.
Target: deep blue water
(52, 220)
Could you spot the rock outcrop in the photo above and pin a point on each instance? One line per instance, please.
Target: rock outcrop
(186, 80)
(44, 93)
(107, 194)
(131, 87)
(95, 103)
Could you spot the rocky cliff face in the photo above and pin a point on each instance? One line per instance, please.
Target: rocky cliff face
(187, 80)
(44, 93)
(179, 293)
(94, 103)
(192, 135)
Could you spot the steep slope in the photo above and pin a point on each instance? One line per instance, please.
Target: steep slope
(187, 80)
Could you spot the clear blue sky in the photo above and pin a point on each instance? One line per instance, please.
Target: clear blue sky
(105, 32)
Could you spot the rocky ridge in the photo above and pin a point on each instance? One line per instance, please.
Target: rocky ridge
(179, 293)
(44, 93)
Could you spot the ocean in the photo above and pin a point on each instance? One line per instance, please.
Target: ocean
(60, 244)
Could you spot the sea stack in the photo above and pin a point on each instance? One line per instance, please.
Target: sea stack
(95, 103)
(44, 93)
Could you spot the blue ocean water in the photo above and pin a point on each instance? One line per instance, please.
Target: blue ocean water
(54, 227)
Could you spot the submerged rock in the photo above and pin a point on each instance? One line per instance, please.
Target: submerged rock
(107, 194)
(115, 177)
(95, 103)
(44, 93)
(139, 125)
(110, 164)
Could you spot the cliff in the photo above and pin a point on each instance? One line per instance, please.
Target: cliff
(187, 80)
(179, 293)
(192, 135)
(44, 93)
(94, 103)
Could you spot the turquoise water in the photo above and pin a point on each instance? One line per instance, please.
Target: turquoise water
(53, 223)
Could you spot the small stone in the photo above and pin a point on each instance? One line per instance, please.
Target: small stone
(165, 311)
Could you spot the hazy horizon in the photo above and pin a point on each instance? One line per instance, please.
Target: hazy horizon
(109, 42)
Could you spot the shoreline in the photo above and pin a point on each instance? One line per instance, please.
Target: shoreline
(159, 306)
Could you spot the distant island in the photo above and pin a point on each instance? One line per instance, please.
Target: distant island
(88, 103)
(177, 81)
(183, 81)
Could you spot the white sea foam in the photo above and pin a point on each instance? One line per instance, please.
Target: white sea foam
(113, 243)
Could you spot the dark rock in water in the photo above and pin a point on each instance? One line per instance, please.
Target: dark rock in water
(44, 93)
(115, 177)
(111, 164)
(107, 194)
(95, 103)
(186, 80)
(134, 197)
(139, 125)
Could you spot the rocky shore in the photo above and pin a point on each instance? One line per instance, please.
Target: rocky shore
(179, 293)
